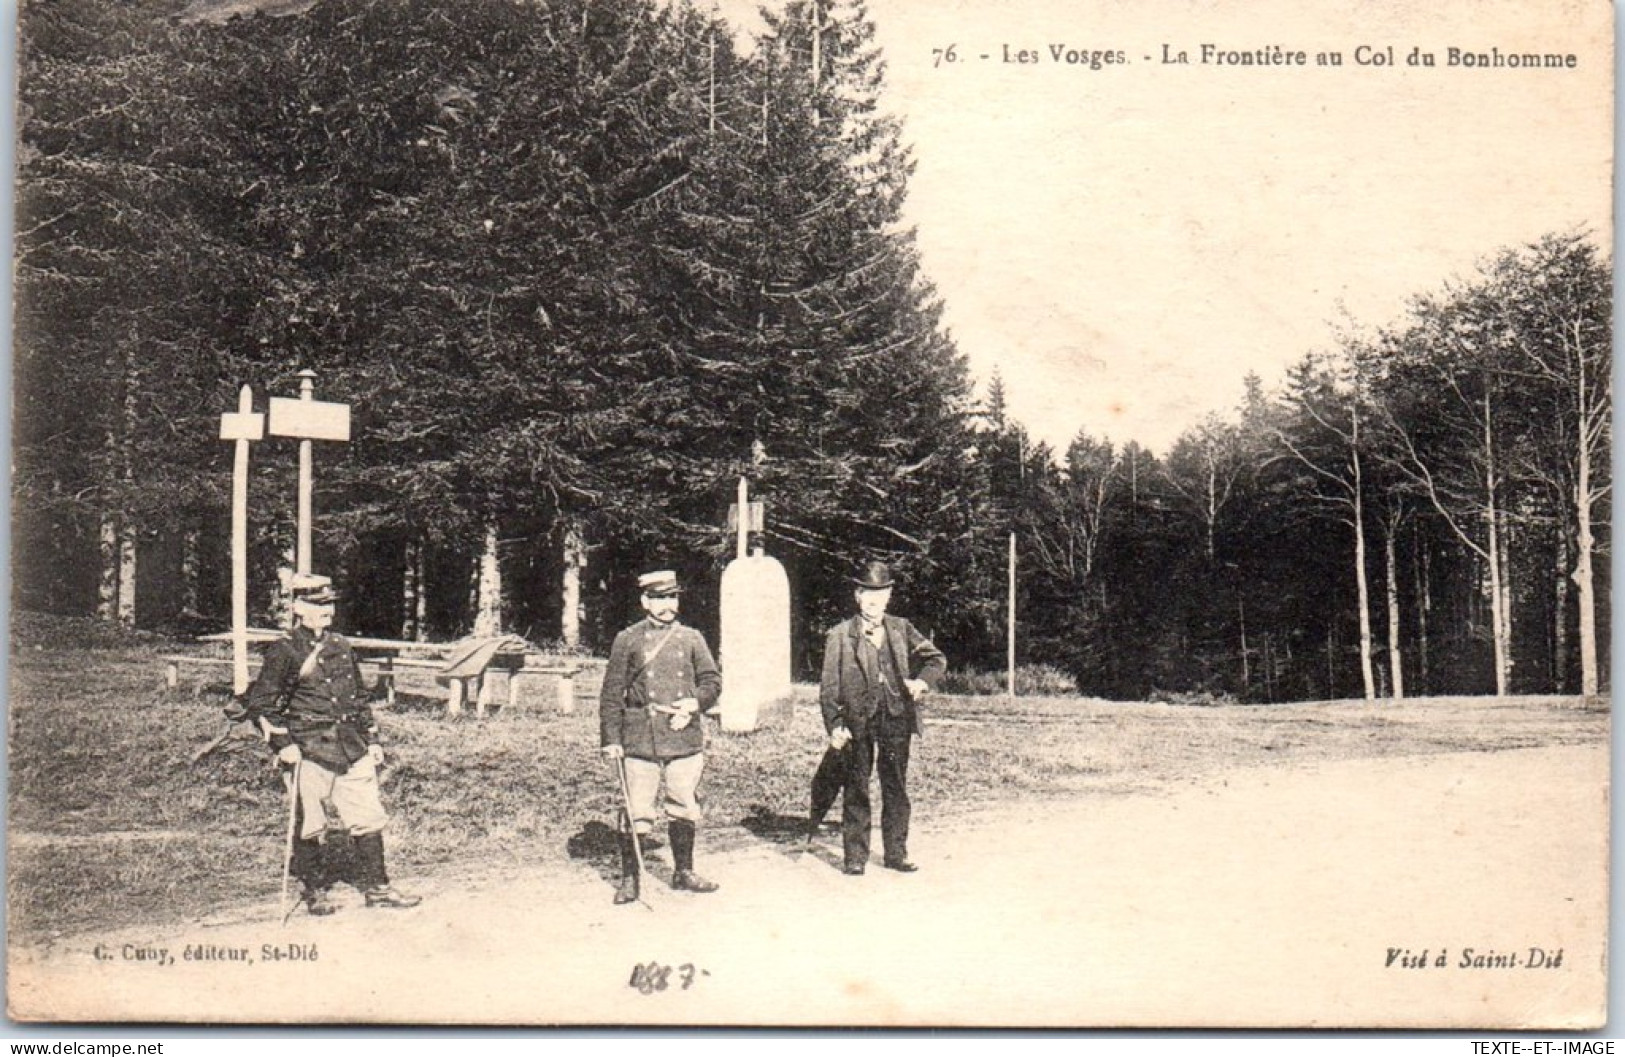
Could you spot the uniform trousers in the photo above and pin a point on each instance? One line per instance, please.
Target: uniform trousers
(353, 795)
(882, 744)
(682, 784)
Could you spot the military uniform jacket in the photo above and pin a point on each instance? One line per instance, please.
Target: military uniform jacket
(320, 706)
(641, 673)
(850, 692)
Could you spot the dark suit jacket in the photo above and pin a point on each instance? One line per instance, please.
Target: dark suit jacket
(849, 694)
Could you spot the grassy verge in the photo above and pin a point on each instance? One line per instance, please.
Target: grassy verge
(111, 822)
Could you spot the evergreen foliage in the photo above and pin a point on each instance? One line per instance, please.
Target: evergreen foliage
(577, 267)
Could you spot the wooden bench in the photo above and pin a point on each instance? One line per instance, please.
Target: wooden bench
(173, 662)
(477, 688)
(386, 658)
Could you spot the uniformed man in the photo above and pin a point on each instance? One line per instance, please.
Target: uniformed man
(660, 680)
(310, 702)
(877, 668)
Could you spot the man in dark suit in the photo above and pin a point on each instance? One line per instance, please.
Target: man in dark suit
(876, 670)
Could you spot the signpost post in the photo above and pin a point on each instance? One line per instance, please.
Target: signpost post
(244, 427)
(1010, 626)
(308, 419)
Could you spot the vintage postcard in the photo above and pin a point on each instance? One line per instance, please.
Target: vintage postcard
(996, 513)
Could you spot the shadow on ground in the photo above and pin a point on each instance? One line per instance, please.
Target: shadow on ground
(598, 845)
(766, 824)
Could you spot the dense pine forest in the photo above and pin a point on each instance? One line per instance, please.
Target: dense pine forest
(577, 267)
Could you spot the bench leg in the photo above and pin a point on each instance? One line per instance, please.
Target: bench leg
(482, 695)
(511, 708)
(454, 699)
(567, 695)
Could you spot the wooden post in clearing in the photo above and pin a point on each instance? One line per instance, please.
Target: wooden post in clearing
(1010, 649)
(244, 427)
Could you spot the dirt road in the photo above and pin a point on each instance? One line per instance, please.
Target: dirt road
(1465, 890)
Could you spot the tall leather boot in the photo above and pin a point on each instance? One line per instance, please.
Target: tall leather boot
(371, 878)
(309, 865)
(627, 890)
(682, 854)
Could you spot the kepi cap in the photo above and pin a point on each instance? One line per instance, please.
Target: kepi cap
(660, 584)
(314, 589)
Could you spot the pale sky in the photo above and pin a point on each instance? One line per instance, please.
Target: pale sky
(1125, 244)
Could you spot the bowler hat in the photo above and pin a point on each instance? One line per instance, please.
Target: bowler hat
(660, 584)
(875, 576)
(311, 588)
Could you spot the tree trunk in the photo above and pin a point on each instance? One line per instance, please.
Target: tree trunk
(115, 594)
(488, 606)
(1212, 506)
(1358, 495)
(1503, 540)
(107, 587)
(1331, 662)
(414, 599)
(1246, 674)
(575, 559)
(1560, 614)
(1497, 613)
(191, 574)
(1584, 544)
(1366, 672)
(1396, 666)
(1424, 605)
(126, 579)
(1269, 667)
(1498, 608)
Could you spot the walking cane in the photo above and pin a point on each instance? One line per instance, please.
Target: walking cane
(632, 827)
(287, 848)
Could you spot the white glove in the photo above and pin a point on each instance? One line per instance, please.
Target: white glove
(917, 688)
(839, 737)
(613, 752)
(289, 754)
(376, 751)
(682, 712)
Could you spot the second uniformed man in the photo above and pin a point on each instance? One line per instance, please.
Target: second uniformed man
(661, 678)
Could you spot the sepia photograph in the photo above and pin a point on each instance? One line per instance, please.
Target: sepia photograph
(811, 514)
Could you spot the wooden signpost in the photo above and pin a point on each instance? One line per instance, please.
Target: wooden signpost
(244, 427)
(307, 419)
